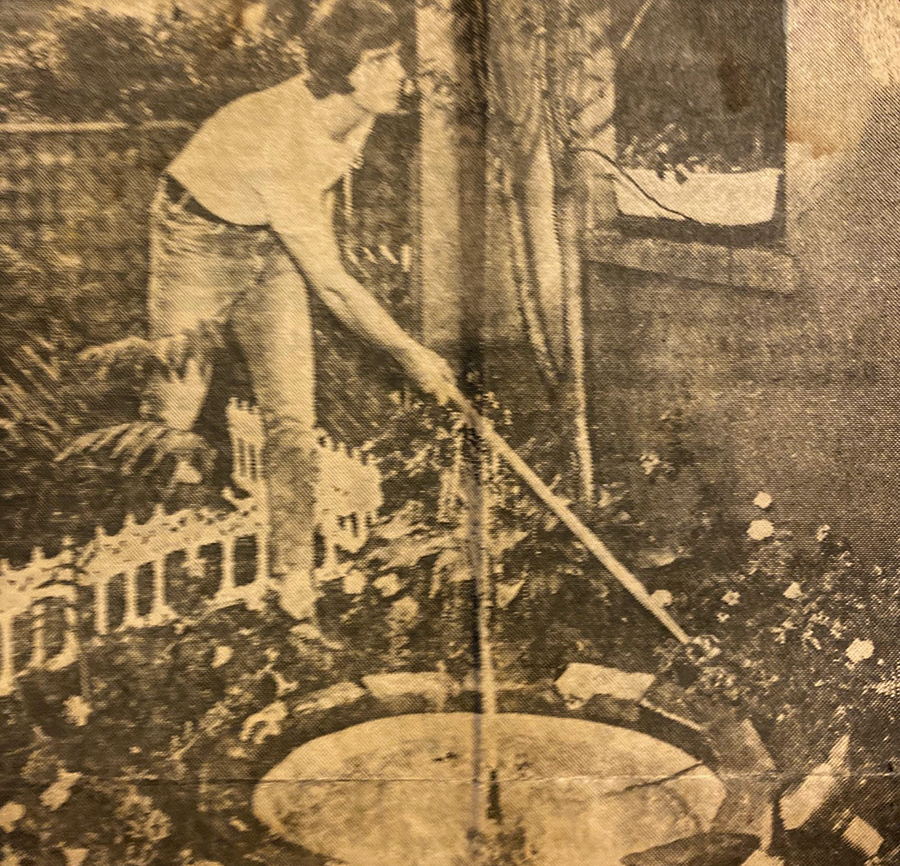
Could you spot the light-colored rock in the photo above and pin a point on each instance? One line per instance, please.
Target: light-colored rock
(264, 724)
(580, 682)
(58, 793)
(863, 836)
(860, 651)
(78, 710)
(760, 858)
(658, 557)
(403, 613)
(338, 695)
(10, 815)
(354, 582)
(388, 585)
(763, 500)
(436, 686)
(222, 656)
(662, 597)
(75, 856)
(800, 804)
(760, 529)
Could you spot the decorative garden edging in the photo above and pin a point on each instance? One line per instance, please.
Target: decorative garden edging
(348, 498)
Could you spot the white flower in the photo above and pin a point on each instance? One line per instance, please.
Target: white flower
(793, 591)
(10, 815)
(354, 582)
(662, 597)
(10, 857)
(860, 650)
(823, 532)
(78, 710)
(403, 612)
(723, 617)
(388, 585)
(763, 500)
(222, 656)
(75, 856)
(650, 462)
(58, 793)
(761, 529)
(731, 598)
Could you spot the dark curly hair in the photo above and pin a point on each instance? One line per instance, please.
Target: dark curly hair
(336, 35)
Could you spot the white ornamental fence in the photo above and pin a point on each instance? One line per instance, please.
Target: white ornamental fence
(348, 498)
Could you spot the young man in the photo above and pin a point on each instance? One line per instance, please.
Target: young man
(242, 231)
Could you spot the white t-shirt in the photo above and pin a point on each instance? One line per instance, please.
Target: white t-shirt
(265, 159)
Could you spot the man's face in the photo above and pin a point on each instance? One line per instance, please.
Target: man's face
(378, 80)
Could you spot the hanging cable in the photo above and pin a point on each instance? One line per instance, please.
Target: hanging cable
(632, 182)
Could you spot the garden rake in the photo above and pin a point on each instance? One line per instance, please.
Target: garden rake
(561, 510)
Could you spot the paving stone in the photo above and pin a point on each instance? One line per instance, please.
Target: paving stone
(819, 786)
(708, 849)
(339, 695)
(580, 682)
(435, 686)
(760, 858)
(863, 836)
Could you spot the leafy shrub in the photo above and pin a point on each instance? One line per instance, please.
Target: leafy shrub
(90, 65)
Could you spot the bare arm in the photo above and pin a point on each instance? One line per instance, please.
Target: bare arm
(315, 250)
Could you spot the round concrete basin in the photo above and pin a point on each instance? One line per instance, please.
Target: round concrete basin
(399, 792)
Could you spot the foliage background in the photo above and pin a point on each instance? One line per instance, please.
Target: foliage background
(785, 610)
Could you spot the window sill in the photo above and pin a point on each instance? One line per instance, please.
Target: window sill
(759, 268)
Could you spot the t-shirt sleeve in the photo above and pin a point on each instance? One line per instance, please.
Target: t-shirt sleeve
(221, 162)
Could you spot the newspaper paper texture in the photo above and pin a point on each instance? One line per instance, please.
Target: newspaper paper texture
(449, 433)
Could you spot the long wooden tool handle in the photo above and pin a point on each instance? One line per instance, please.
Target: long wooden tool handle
(486, 430)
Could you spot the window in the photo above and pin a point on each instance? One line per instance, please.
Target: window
(700, 121)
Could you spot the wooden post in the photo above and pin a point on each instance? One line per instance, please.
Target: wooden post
(70, 651)
(226, 588)
(451, 178)
(131, 618)
(38, 642)
(7, 653)
(160, 612)
(262, 561)
(101, 605)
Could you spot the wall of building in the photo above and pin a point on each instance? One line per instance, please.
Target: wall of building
(790, 387)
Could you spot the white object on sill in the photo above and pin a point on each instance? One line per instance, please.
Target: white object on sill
(729, 199)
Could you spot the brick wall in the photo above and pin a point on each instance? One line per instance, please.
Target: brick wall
(75, 196)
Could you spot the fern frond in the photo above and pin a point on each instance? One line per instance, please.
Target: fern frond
(134, 353)
(95, 440)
